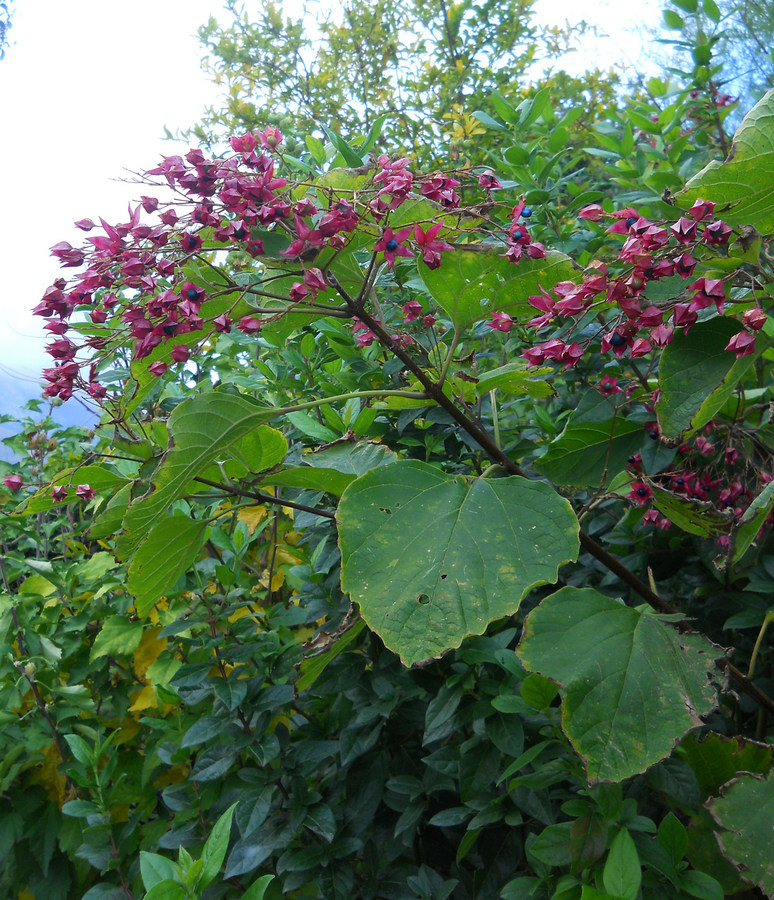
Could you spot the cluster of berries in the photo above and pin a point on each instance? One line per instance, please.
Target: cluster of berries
(133, 285)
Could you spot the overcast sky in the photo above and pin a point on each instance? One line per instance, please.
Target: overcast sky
(87, 88)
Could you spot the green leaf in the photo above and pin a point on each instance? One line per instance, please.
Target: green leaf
(689, 6)
(80, 749)
(697, 375)
(258, 888)
(701, 885)
(316, 148)
(715, 760)
(117, 637)
(698, 517)
(552, 845)
(745, 180)
(591, 454)
(101, 481)
(712, 10)
(80, 809)
(516, 378)
(746, 812)
(201, 430)
(166, 890)
(215, 847)
(622, 874)
(309, 426)
(475, 282)
(673, 20)
(432, 558)
(537, 691)
(155, 868)
(312, 667)
(620, 667)
(750, 522)
(172, 546)
(351, 156)
(486, 119)
(673, 837)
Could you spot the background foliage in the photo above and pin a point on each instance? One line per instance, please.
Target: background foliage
(192, 704)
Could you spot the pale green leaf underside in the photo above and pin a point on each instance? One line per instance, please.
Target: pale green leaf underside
(171, 548)
(202, 430)
(432, 558)
(745, 180)
(633, 684)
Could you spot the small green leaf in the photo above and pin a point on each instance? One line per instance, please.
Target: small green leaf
(258, 888)
(155, 868)
(701, 885)
(215, 847)
(622, 874)
(79, 809)
(351, 156)
(537, 691)
(673, 20)
(689, 6)
(673, 837)
(712, 10)
(166, 890)
(118, 636)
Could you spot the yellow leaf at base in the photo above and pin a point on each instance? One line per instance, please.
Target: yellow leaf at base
(252, 516)
(148, 651)
(144, 699)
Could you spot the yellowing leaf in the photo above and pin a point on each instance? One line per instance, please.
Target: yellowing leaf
(285, 556)
(144, 699)
(241, 612)
(252, 516)
(148, 650)
(278, 579)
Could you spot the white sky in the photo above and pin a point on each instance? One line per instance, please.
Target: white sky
(86, 91)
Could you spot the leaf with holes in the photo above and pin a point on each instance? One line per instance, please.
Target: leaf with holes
(432, 558)
(633, 685)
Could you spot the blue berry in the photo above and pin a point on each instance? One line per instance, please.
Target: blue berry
(617, 340)
(526, 212)
(391, 246)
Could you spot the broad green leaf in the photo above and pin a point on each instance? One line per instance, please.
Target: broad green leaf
(311, 478)
(746, 813)
(697, 375)
(694, 516)
(171, 548)
(591, 454)
(516, 378)
(215, 847)
(118, 637)
(155, 868)
(745, 179)
(333, 468)
(201, 430)
(715, 760)
(473, 283)
(622, 874)
(619, 667)
(432, 558)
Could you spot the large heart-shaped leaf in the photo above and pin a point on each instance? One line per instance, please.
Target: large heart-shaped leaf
(201, 430)
(745, 180)
(474, 282)
(432, 558)
(633, 684)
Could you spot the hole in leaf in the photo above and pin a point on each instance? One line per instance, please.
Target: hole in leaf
(443, 576)
(385, 510)
(423, 598)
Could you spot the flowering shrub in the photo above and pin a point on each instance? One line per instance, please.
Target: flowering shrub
(365, 432)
